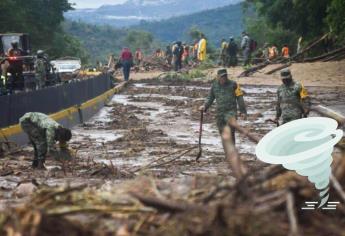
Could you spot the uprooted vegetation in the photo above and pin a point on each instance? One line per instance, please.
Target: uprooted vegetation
(135, 174)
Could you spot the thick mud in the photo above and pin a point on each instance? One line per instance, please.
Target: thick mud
(151, 129)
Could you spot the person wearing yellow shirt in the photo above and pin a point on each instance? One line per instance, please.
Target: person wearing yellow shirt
(202, 48)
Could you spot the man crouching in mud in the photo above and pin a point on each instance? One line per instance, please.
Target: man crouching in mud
(228, 95)
(43, 132)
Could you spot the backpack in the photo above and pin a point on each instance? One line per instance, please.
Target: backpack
(253, 45)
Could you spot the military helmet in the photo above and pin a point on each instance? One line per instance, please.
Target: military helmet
(222, 72)
(40, 53)
(14, 43)
(285, 74)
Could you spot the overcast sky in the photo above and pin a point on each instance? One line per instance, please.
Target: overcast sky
(94, 3)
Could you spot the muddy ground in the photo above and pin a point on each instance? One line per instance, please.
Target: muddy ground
(320, 74)
(151, 129)
(148, 120)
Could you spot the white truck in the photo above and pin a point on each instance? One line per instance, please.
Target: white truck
(66, 68)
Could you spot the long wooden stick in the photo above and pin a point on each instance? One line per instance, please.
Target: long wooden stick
(278, 68)
(254, 69)
(290, 204)
(310, 46)
(329, 113)
(245, 132)
(338, 56)
(337, 187)
(326, 55)
(163, 204)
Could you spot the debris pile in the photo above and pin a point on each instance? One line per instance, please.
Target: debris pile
(194, 206)
(135, 174)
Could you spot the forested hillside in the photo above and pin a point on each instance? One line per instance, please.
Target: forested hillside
(131, 12)
(216, 24)
(101, 41)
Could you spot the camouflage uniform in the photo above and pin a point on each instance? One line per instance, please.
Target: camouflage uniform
(293, 101)
(40, 72)
(41, 131)
(227, 96)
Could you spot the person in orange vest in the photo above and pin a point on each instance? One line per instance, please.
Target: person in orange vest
(285, 51)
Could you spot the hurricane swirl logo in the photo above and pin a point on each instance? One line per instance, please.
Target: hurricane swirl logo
(304, 146)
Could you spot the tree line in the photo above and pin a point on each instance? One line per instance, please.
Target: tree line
(285, 21)
(42, 20)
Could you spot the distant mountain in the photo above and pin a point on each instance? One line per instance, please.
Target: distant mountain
(134, 11)
(218, 23)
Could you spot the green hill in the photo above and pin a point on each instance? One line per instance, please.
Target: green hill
(216, 24)
(101, 41)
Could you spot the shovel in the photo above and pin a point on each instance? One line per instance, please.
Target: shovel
(200, 134)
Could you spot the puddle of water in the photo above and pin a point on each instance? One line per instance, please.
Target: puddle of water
(141, 85)
(103, 115)
(153, 95)
(97, 135)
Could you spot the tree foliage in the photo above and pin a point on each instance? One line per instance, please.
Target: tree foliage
(42, 20)
(139, 39)
(336, 17)
(102, 41)
(283, 21)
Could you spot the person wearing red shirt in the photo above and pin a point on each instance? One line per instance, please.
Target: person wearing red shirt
(126, 62)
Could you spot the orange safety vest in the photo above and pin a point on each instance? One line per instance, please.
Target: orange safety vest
(285, 52)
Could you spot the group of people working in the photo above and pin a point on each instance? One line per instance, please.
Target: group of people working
(179, 54)
(229, 51)
(176, 54)
(13, 66)
(292, 103)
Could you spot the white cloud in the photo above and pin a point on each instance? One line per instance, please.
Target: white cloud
(94, 4)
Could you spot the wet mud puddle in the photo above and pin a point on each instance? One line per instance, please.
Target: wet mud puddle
(152, 129)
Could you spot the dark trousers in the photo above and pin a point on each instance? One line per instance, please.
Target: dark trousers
(126, 67)
(178, 64)
(246, 57)
(38, 139)
(16, 81)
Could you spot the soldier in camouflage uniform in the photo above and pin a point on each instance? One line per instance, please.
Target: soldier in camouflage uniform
(40, 70)
(228, 95)
(43, 132)
(293, 100)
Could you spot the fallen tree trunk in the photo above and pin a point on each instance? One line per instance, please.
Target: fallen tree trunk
(338, 56)
(254, 69)
(312, 45)
(162, 204)
(252, 137)
(326, 55)
(324, 111)
(278, 68)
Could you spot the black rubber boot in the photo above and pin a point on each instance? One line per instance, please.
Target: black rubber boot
(40, 165)
(35, 163)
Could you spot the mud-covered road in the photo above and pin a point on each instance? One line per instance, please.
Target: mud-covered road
(151, 128)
